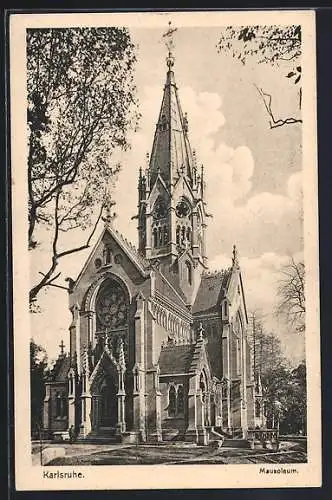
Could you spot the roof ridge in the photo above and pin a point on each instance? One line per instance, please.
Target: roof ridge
(131, 247)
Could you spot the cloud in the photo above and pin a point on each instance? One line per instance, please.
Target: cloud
(260, 277)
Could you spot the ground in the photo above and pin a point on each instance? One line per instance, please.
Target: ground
(104, 454)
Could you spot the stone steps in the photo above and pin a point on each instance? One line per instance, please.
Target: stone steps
(236, 443)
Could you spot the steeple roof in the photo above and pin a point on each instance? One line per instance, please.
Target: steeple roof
(171, 152)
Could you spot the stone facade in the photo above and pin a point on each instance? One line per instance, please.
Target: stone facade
(158, 344)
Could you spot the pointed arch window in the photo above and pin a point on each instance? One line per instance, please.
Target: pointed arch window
(58, 405)
(189, 234)
(178, 231)
(155, 237)
(165, 235)
(257, 409)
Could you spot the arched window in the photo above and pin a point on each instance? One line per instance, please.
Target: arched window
(165, 235)
(178, 230)
(183, 235)
(171, 401)
(71, 384)
(257, 409)
(180, 401)
(188, 273)
(155, 237)
(63, 406)
(160, 237)
(107, 255)
(189, 234)
(238, 357)
(58, 405)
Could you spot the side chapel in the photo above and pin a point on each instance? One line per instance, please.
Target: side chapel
(158, 344)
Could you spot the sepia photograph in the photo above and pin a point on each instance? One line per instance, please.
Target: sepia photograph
(165, 250)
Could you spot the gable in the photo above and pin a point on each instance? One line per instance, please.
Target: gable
(124, 260)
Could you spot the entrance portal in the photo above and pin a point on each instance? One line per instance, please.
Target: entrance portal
(109, 407)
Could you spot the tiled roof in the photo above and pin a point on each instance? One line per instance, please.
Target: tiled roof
(60, 369)
(211, 290)
(176, 359)
(166, 286)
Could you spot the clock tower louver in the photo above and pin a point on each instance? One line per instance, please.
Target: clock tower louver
(171, 206)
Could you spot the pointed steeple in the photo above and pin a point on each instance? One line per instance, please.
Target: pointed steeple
(171, 150)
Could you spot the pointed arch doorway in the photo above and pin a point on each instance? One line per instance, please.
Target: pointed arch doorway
(108, 404)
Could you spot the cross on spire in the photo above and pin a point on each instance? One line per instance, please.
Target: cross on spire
(169, 42)
(108, 216)
(62, 348)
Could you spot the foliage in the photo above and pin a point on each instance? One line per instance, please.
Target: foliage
(81, 105)
(291, 294)
(38, 368)
(273, 45)
(288, 387)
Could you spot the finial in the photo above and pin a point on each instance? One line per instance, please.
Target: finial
(169, 42)
(200, 332)
(107, 208)
(235, 258)
(62, 348)
(122, 361)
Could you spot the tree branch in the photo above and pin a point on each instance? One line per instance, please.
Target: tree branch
(274, 123)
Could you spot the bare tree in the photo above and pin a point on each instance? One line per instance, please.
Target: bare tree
(291, 297)
(81, 105)
(274, 45)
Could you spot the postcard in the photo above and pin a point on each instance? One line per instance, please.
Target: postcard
(165, 250)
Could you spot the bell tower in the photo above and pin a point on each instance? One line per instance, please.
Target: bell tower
(171, 193)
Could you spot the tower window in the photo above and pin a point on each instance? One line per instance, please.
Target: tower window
(178, 230)
(165, 235)
(155, 237)
(189, 234)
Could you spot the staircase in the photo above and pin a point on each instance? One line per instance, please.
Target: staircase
(104, 435)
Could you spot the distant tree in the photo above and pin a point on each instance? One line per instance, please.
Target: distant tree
(287, 386)
(272, 45)
(81, 105)
(291, 296)
(38, 370)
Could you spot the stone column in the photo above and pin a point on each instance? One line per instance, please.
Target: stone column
(47, 408)
(71, 399)
(86, 416)
(139, 370)
(227, 372)
(202, 437)
(191, 432)
(244, 415)
(121, 394)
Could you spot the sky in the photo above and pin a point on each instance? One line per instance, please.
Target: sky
(253, 174)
